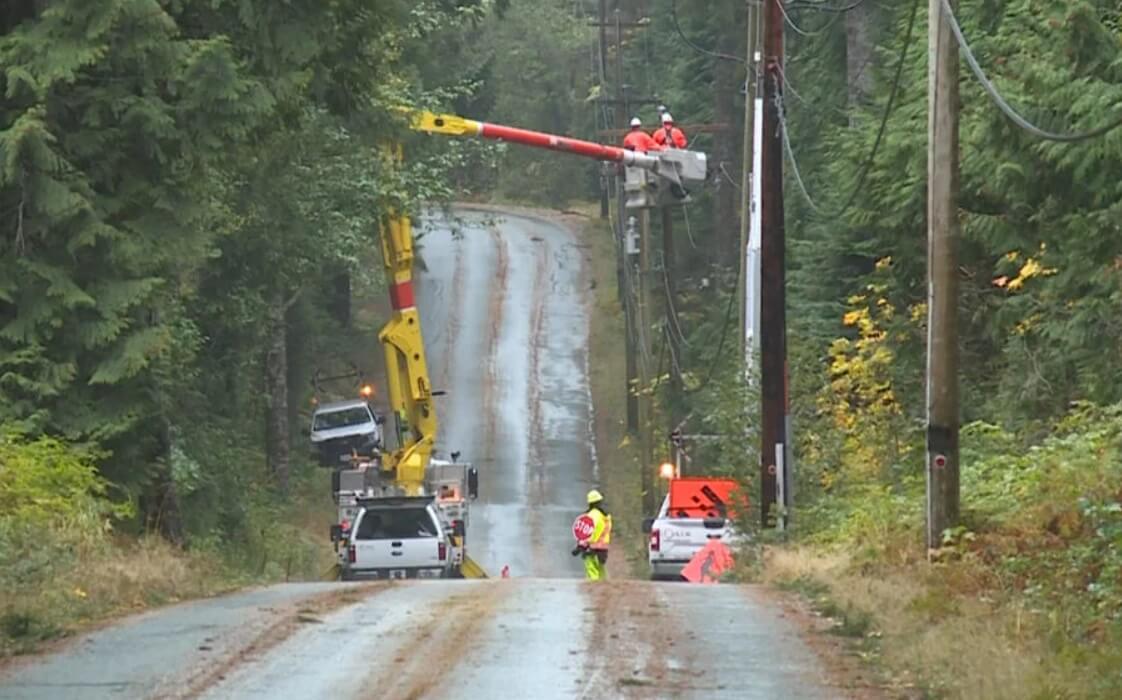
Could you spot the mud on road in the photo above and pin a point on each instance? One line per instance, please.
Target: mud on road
(505, 311)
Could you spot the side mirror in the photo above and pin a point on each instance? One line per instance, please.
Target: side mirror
(648, 525)
(473, 483)
(336, 533)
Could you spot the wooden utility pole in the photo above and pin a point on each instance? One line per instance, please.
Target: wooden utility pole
(602, 71)
(942, 277)
(773, 322)
(673, 339)
(646, 371)
(623, 261)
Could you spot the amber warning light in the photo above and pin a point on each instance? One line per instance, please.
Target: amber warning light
(367, 391)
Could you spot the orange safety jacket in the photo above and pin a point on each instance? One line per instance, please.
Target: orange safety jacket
(639, 140)
(670, 135)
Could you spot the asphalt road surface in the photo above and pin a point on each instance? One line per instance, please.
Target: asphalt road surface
(504, 306)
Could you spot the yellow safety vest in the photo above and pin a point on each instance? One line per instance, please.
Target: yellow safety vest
(601, 529)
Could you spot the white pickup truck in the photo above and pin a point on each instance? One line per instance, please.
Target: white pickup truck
(674, 541)
(398, 538)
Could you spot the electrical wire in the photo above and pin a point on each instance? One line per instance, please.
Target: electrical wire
(728, 177)
(689, 233)
(673, 315)
(780, 110)
(724, 334)
(788, 87)
(868, 164)
(695, 47)
(823, 7)
(806, 32)
(1004, 105)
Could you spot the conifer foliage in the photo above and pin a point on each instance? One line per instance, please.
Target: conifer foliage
(175, 176)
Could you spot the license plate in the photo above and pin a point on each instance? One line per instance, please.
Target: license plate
(397, 573)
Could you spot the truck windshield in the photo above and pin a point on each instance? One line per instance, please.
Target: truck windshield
(396, 523)
(341, 419)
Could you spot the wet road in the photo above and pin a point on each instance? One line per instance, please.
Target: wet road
(510, 297)
(503, 302)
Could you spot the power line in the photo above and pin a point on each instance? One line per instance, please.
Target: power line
(823, 7)
(788, 87)
(689, 233)
(1003, 105)
(868, 164)
(781, 111)
(724, 336)
(676, 324)
(695, 47)
(806, 32)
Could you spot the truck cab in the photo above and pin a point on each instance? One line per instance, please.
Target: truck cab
(398, 538)
(341, 429)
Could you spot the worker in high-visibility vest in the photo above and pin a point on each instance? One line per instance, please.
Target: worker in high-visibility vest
(639, 140)
(669, 135)
(595, 548)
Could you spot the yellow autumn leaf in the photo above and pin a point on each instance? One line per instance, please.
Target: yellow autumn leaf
(884, 262)
(1031, 268)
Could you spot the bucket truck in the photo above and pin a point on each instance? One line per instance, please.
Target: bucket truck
(407, 479)
(401, 482)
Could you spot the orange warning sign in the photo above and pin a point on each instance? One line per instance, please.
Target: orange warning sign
(709, 563)
(704, 497)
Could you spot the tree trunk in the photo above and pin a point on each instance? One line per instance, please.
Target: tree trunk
(161, 511)
(341, 298)
(276, 393)
(859, 55)
(725, 90)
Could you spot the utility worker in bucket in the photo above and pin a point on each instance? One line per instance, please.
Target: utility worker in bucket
(595, 548)
(669, 136)
(639, 140)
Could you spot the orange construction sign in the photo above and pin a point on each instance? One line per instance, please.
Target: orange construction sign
(708, 564)
(705, 497)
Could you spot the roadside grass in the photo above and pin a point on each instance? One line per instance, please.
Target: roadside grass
(1024, 601)
(60, 579)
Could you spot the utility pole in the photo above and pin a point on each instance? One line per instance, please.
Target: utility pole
(773, 322)
(621, 111)
(602, 70)
(942, 277)
(646, 449)
(749, 280)
(673, 338)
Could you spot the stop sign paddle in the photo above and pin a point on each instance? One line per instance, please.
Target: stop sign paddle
(583, 527)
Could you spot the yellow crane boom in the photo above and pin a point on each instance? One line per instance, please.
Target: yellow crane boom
(407, 377)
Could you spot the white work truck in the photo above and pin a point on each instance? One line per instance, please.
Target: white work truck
(673, 541)
(394, 538)
(361, 490)
(341, 430)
